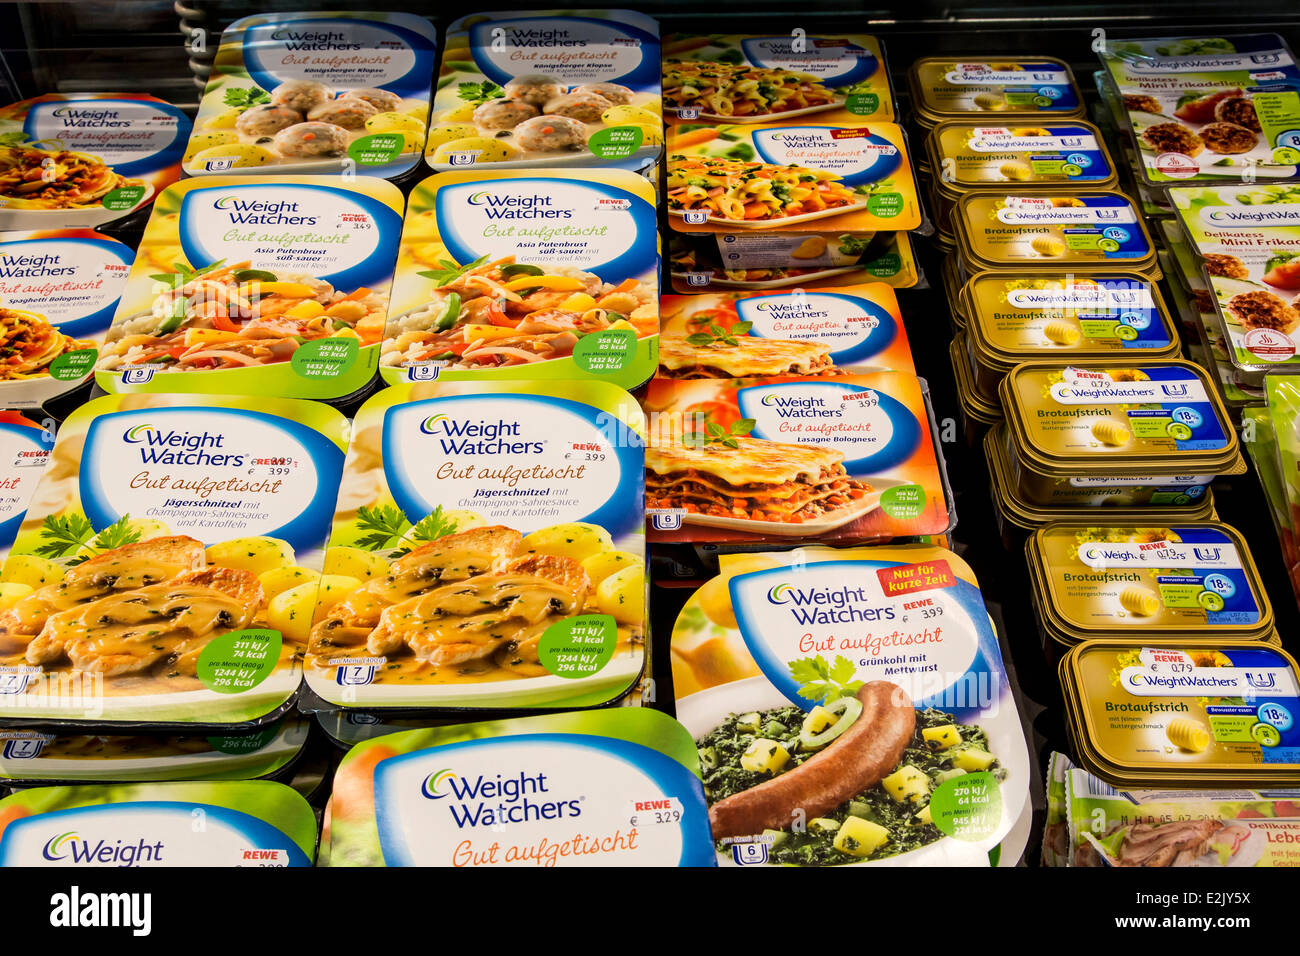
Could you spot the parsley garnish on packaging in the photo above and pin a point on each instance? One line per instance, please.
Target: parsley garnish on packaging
(385, 525)
(65, 535)
(717, 336)
(716, 434)
(450, 272)
(479, 93)
(822, 682)
(243, 99)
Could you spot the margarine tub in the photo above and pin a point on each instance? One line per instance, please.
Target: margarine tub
(168, 566)
(58, 292)
(97, 157)
(25, 448)
(1208, 109)
(602, 788)
(243, 823)
(29, 757)
(539, 89)
(971, 155)
(1230, 827)
(703, 262)
(858, 692)
(979, 413)
(537, 274)
(951, 280)
(1114, 421)
(1247, 238)
(1186, 712)
(1101, 315)
(818, 333)
(754, 78)
(525, 497)
(258, 286)
(314, 92)
(1078, 500)
(849, 458)
(1038, 87)
(829, 172)
(1061, 231)
(1128, 579)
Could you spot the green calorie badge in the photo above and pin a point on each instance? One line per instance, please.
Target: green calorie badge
(968, 807)
(239, 661)
(578, 646)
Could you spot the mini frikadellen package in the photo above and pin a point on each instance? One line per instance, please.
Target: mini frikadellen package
(258, 285)
(528, 274)
(489, 540)
(539, 89)
(316, 93)
(169, 565)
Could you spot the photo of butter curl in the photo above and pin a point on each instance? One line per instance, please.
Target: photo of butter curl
(1111, 433)
(1188, 734)
(1050, 246)
(1139, 601)
(1062, 332)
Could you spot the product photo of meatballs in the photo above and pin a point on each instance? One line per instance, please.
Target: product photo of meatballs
(618, 95)
(584, 107)
(312, 141)
(301, 95)
(1239, 110)
(1139, 103)
(382, 100)
(345, 112)
(1264, 310)
(548, 134)
(1222, 264)
(1228, 139)
(533, 90)
(1173, 138)
(267, 120)
(504, 114)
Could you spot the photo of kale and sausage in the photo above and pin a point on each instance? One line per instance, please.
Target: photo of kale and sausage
(861, 766)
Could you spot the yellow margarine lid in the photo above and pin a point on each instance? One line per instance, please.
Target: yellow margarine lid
(952, 87)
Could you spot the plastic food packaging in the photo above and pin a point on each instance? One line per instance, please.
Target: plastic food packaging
(109, 154)
(755, 79)
(850, 458)
(25, 448)
(525, 497)
(1036, 87)
(169, 565)
(258, 285)
(536, 275)
(786, 662)
(316, 93)
(523, 89)
(1191, 712)
(601, 788)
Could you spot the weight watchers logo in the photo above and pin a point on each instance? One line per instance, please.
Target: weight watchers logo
(484, 801)
(512, 206)
(432, 786)
(281, 212)
(71, 849)
(482, 437)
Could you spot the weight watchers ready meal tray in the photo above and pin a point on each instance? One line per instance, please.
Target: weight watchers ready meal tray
(79, 160)
(1208, 108)
(491, 543)
(537, 89)
(167, 571)
(259, 286)
(58, 293)
(538, 274)
(752, 459)
(603, 788)
(29, 757)
(1248, 241)
(849, 707)
(831, 172)
(245, 823)
(827, 332)
(754, 79)
(316, 93)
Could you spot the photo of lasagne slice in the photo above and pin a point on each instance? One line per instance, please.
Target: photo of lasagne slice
(755, 480)
(749, 356)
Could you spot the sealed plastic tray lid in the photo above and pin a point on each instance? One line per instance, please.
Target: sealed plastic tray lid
(814, 332)
(102, 155)
(602, 788)
(1179, 580)
(1054, 231)
(169, 564)
(25, 449)
(1186, 707)
(981, 154)
(537, 274)
(862, 686)
(258, 285)
(59, 289)
(1158, 418)
(536, 89)
(245, 823)
(1013, 319)
(997, 87)
(525, 496)
(318, 93)
(755, 78)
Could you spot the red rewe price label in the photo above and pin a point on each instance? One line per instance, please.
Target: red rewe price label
(860, 132)
(915, 577)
